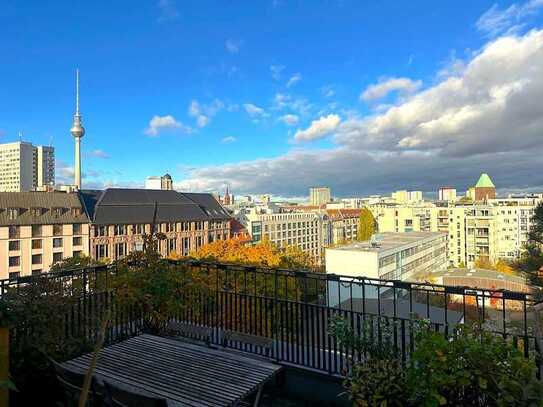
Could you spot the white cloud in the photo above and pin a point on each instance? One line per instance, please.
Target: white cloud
(254, 111)
(228, 140)
(319, 128)
(290, 119)
(276, 71)
(232, 45)
(98, 154)
(204, 112)
(294, 79)
(282, 101)
(496, 21)
(385, 86)
(160, 123)
(486, 118)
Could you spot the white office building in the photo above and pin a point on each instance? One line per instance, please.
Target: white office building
(301, 229)
(25, 167)
(391, 256)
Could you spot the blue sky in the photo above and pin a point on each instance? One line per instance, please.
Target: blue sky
(276, 96)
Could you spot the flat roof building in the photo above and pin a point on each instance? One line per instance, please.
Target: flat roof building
(390, 256)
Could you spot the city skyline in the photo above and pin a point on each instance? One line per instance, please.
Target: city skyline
(388, 113)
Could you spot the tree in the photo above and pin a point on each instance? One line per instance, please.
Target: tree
(264, 253)
(366, 225)
(74, 263)
(531, 259)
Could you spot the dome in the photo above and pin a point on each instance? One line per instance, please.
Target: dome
(168, 176)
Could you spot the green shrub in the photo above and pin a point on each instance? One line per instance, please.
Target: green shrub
(472, 367)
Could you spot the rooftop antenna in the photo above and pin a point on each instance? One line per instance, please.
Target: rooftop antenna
(50, 141)
(77, 91)
(20, 136)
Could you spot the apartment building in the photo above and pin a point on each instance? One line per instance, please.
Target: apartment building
(120, 218)
(342, 224)
(319, 195)
(287, 228)
(403, 197)
(25, 167)
(392, 256)
(38, 229)
(402, 218)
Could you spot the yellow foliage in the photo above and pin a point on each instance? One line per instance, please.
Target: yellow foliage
(261, 254)
(366, 225)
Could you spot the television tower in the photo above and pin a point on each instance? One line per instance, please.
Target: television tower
(77, 131)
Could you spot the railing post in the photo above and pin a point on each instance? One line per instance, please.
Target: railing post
(4, 366)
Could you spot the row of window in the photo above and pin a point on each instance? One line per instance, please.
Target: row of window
(37, 259)
(37, 230)
(138, 229)
(15, 245)
(14, 213)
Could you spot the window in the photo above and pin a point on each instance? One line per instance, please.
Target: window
(14, 261)
(77, 229)
(76, 211)
(36, 230)
(57, 257)
(77, 241)
(76, 254)
(119, 230)
(36, 272)
(120, 250)
(170, 227)
(14, 232)
(15, 245)
(138, 229)
(36, 259)
(57, 230)
(36, 244)
(101, 251)
(171, 245)
(57, 242)
(101, 231)
(13, 213)
(56, 212)
(36, 212)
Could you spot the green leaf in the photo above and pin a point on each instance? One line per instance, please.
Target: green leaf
(442, 400)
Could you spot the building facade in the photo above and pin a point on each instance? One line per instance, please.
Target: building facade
(39, 229)
(446, 194)
(120, 218)
(319, 195)
(304, 230)
(25, 167)
(411, 256)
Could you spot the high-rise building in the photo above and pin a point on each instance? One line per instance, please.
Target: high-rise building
(319, 196)
(45, 166)
(25, 167)
(446, 194)
(164, 183)
(407, 196)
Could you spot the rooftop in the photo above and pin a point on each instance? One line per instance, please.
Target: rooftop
(389, 241)
(484, 181)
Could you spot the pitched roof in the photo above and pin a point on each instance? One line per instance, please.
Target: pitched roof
(132, 206)
(25, 202)
(484, 181)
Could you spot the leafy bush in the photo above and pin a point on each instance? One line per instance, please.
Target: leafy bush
(35, 314)
(472, 367)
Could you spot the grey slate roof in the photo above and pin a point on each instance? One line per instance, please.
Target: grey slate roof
(132, 206)
(26, 201)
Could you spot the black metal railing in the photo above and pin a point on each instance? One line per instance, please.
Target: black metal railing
(295, 309)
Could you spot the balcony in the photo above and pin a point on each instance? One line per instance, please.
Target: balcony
(291, 310)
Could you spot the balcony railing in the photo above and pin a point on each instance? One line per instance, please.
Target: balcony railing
(295, 308)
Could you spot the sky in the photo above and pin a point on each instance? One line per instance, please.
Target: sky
(275, 96)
